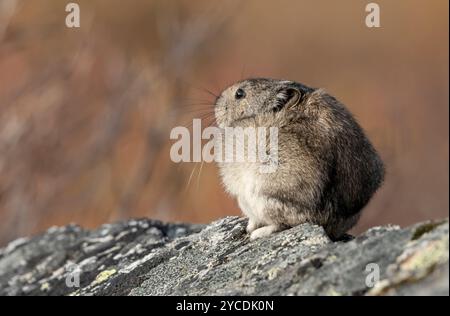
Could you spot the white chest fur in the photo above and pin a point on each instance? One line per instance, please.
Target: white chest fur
(245, 183)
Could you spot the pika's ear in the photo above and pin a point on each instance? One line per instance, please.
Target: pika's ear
(287, 98)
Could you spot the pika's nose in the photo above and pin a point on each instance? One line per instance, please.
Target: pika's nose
(217, 99)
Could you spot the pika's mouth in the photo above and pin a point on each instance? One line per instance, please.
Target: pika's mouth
(242, 119)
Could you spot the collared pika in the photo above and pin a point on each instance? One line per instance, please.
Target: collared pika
(327, 169)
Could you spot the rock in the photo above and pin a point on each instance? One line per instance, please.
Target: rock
(145, 257)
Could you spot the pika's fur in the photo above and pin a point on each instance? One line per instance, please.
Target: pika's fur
(327, 168)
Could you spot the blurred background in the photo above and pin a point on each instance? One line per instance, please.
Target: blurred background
(85, 113)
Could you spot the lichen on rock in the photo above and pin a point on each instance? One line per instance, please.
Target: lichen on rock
(145, 257)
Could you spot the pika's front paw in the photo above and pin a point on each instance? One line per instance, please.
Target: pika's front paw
(264, 231)
(251, 226)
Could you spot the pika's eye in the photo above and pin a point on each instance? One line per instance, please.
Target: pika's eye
(240, 94)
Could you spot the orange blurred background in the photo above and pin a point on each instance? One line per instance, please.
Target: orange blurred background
(85, 113)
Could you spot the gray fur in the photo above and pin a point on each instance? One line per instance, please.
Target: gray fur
(328, 170)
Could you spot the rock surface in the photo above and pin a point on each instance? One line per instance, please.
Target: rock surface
(145, 257)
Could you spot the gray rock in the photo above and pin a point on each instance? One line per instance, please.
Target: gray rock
(145, 257)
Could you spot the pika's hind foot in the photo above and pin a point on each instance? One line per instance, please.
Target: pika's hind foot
(264, 231)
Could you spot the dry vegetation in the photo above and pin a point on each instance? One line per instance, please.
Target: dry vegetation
(85, 114)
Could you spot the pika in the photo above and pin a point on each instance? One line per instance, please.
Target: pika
(327, 168)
